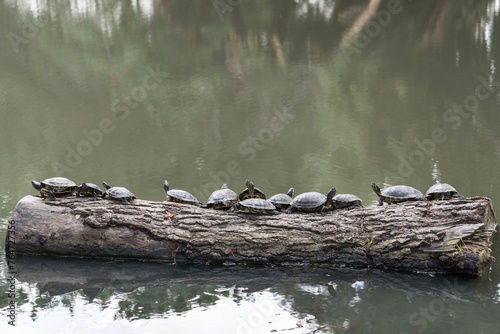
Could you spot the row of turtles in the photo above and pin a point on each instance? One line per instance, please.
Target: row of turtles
(61, 186)
(252, 199)
(399, 194)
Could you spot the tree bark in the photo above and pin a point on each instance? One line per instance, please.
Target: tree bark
(451, 236)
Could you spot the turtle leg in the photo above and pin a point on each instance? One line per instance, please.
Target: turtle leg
(290, 210)
(78, 193)
(380, 202)
(125, 202)
(274, 212)
(323, 210)
(52, 195)
(95, 196)
(457, 196)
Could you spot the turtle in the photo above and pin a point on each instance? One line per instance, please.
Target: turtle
(89, 189)
(282, 201)
(251, 192)
(397, 194)
(118, 193)
(179, 196)
(347, 201)
(441, 191)
(59, 186)
(221, 199)
(255, 206)
(312, 202)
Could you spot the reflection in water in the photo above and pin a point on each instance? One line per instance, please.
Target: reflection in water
(238, 298)
(362, 115)
(367, 93)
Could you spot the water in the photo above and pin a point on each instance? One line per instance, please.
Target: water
(283, 93)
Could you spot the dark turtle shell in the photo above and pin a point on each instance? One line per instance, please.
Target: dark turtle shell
(441, 191)
(312, 202)
(118, 193)
(221, 199)
(254, 205)
(251, 192)
(348, 201)
(55, 186)
(397, 194)
(282, 201)
(179, 196)
(89, 189)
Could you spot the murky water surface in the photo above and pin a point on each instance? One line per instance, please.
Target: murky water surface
(309, 94)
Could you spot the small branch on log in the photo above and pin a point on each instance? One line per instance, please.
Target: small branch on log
(451, 236)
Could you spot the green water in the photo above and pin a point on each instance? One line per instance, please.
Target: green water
(284, 93)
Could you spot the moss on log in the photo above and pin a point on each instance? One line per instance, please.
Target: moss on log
(451, 236)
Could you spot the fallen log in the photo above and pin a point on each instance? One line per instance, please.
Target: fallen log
(452, 236)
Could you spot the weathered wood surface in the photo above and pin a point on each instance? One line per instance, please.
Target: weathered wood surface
(442, 236)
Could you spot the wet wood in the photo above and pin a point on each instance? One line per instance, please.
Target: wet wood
(442, 236)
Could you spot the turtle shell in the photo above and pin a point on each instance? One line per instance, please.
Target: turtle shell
(397, 194)
(254, 205)
(245, 194)
(441, 191)
(182, 196)
(55, 186)
(309, 201)
(222, 198)
(346, 201)
(118, 193)
(179, 196)
(401, 192)
(60, 182)
(89, 189)
(282, 201)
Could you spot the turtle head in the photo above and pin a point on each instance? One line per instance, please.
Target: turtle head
(437, 182)
(235, 205)
(224, 186)
(290, 192)
(166, 186)
(106, 185)
(330, 195)
(84, 185)
(36, 185)
(376, 188)
(250, 187)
